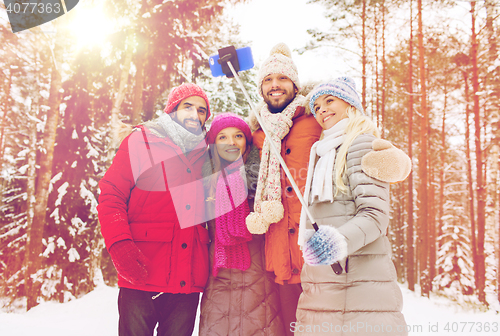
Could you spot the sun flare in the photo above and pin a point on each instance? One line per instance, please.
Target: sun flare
(89, 25)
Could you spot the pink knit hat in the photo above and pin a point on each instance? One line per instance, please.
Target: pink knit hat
(182, 92)
(225, 120)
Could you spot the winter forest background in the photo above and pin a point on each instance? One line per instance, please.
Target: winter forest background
(432, 83)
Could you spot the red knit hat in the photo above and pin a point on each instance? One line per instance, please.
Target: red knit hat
(225, 120)
(182, 92)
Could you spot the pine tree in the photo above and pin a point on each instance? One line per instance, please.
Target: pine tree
(168, 43)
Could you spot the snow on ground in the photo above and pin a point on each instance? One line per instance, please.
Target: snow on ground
(96, 314)
(440, 317)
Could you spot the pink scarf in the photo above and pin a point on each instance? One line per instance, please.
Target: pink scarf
(231, 209)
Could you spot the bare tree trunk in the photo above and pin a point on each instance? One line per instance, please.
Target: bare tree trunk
(472, 212)
(491, 81)
(441, 177)
(377, 81)
(481, 190)
(432, 225)
(422, 165)
(410, 257)
(363, 57)
(45, 173)
(31, 287)
(495, 96)
(431, 196)
(139, 83)
(498, 235)
(384, 70)
(400, 236)
(120, 96)
(6, 108)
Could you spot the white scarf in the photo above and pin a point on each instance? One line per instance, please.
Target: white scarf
(319, 182)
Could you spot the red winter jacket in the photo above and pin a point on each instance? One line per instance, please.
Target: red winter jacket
(149, 190)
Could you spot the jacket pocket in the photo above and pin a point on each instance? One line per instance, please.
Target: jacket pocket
(155, 242)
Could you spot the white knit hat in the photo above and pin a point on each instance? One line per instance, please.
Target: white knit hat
(280, 62)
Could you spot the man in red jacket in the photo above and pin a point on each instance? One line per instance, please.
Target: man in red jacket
(152, 215)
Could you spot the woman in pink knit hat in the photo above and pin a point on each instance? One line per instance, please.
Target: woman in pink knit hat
(241, 297)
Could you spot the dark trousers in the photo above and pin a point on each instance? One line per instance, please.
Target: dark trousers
(175, 314)
(289, 299)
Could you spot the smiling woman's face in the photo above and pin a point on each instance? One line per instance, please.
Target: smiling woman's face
(231, 143)
(330, 110)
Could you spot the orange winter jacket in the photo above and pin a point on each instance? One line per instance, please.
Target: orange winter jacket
(283, 255)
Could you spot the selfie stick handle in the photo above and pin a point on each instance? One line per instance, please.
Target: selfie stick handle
(275, 150)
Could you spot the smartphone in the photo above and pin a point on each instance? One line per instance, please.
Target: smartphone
(245, 60)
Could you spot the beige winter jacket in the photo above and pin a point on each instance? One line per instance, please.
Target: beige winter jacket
(365, 298)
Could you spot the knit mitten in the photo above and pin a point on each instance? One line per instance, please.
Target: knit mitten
(129, 261)
(325, 247)
(386, 162)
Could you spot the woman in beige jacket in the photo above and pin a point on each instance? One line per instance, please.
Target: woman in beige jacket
(241, 297)
(352, 211)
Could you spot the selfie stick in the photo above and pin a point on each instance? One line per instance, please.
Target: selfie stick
(226, 58)
(275, 150)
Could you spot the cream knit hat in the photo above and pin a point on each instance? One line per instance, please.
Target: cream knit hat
(279, 62)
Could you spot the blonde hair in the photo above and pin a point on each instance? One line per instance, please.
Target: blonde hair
(358, 124)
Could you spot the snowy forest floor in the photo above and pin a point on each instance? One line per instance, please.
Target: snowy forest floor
(96, 314)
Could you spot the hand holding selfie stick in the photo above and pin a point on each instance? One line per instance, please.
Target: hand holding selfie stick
(228, 60)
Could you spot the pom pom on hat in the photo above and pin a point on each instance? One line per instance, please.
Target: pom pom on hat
(342, 87)
(282, 49)
(279, 62)
(225, 120)
(182, 92)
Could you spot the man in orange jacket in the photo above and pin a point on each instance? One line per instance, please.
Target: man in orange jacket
(294, 131)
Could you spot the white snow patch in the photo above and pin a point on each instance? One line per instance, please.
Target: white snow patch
(23, 169)
(73, 255)
(50, 247)
(54, 179)
(96, 314)
(61, 242)
(62, 190)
